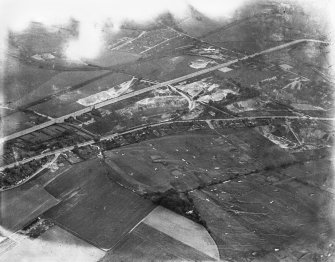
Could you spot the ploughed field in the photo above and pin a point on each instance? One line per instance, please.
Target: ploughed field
(20, 206)
(165, 236)
(94, 207)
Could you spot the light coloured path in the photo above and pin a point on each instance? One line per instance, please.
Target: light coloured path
(166, 40)
(207, 121)
(150, 88)
(128, 42)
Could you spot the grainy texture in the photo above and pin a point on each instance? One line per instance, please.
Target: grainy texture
(87, 193)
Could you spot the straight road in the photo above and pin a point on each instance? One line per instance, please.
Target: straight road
(151, 88)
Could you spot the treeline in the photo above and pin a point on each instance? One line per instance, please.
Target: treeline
(177, 202)
(11, 176)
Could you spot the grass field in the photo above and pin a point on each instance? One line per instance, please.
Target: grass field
(253, 30)
(21, 205)
(310, 61)
(163, 68)
(15, 122)
(112, 58)
(303, 58)
(60, 82)
(263, 212)
(247, 75)
(187, 161)
(197, 24)
(317, 173)
(20, 79)
(37, 38)
(233, 239)
(55, 245)
(106, 211)
(67, 103)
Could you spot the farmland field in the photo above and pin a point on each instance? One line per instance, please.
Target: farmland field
(59, 83)
(21, 79)
(66, 102)
(196, 24)
(86, 191)
(253, 30)
(145, 243)
(112, 58)
(308, 78)
(21, 205)
(36, 38)
(180, 238)
(55, 245)
(315, 173)
(17, 121)
(303, 58)
(183, 230)
(163, 69)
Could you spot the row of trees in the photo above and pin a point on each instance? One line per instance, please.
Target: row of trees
(12, 176)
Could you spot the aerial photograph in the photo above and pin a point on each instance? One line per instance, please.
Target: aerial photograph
(156, 130)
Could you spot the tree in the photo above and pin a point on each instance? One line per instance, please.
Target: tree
(96, 139)
(96, 112)
(75, 149)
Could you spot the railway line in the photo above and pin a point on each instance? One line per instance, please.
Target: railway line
(150, 88)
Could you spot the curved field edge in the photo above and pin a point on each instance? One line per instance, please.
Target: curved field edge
(183, 230)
